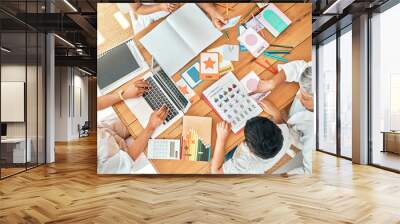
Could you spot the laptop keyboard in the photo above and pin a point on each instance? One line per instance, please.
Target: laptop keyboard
(156, 99)
(179, 99)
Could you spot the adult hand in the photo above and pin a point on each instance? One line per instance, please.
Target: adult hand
(222, 131)
(263, 87)
(218, 19)
(168, 7)
(157, 118)
(136, 89)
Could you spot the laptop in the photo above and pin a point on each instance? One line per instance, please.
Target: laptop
(119, 65)
(162, 91)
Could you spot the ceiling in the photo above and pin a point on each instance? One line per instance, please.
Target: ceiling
(72, 20)
(76, 23)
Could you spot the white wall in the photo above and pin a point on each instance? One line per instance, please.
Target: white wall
(68, 81)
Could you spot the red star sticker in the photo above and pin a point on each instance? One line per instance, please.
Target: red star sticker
(184, 89)
(209, 63)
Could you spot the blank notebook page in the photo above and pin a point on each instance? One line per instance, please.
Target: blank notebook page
(193, 25)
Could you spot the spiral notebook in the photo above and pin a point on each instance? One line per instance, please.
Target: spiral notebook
(119, 65)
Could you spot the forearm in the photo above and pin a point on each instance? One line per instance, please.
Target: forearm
(106, 101)
(141, 9)
(140, 143)
(218, 157)
(272, 111)
(209, 8)
(278, 79)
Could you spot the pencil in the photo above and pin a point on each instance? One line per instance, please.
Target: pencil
(275, 57)
(282, 46)
(226, 35)
(249, 12)
(270, 67)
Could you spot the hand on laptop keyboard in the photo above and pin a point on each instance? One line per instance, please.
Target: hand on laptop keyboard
(157, 118)
(136, 89)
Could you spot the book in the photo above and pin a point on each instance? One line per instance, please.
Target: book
(196, 138)
(228, 97)
(273, 19)
(180, 37)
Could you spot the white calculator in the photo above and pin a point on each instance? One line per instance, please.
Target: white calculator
(164, 149)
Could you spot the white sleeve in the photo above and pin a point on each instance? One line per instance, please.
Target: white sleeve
(293, 70)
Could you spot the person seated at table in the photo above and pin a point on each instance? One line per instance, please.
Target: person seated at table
(300, 118)
(148, 13)
(265, 143)
(116, 151)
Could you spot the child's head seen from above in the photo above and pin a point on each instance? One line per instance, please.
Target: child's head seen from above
(263, 137)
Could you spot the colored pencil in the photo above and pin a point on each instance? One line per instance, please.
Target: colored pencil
(270, 67)
(269, 52)
(282, 46)
(275, 57)
(278, 51)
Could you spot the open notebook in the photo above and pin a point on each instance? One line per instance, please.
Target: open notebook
(180, 37)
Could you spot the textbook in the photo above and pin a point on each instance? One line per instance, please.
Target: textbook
(180, 38)
(196, 138)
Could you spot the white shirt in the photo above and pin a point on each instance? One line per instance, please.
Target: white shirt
(110, 158)
(245, 162)
(301, 120)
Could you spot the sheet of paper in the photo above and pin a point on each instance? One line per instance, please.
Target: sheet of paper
(250, 83)
(225, 65)
(253, 42)
(231, 22)
(230, 52)
(255, 24)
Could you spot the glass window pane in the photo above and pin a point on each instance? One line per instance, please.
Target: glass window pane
(346, 94)
(31, 97)
(13, 82)
(385, 89)
(327, 96)
(41, 98)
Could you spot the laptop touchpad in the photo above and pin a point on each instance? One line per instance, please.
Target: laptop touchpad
(140, 109)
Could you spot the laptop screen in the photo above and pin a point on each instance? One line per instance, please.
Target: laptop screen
(114, 65)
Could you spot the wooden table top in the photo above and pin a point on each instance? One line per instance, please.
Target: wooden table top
(298, 35)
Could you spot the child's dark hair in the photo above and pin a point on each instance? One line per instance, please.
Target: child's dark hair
(263, 137)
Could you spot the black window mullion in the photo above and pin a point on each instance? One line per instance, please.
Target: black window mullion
(26, 87)
(316, 96)
(338, 74)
